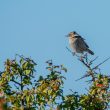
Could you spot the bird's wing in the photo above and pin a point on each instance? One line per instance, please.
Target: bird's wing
(86, 44)
(81, 43)
(80, 37)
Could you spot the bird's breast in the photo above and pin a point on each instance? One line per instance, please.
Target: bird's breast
(73, 43)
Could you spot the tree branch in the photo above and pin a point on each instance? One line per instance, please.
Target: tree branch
(100, 63)
(84, 59)
(15, 82)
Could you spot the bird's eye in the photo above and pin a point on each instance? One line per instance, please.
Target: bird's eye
(74, 32)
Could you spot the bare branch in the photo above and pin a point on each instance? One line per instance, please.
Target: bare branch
(84, 59)
(93, 60)
(100, 63)
(70, 51)
(15, 82)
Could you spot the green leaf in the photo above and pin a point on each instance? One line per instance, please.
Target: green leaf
(27, 72)
(63, 68)
(27, 99)
(21, 61)
(24, 65)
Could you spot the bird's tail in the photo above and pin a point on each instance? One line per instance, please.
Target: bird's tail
(89, 51)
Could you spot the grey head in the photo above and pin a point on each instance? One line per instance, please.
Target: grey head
(74, 34)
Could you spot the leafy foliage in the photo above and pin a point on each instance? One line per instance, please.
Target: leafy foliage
(21, 90)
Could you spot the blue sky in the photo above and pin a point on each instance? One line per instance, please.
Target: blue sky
(37, 28)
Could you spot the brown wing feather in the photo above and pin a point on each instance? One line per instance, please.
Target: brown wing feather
(82, 39)
(85, 43)
(81, 44)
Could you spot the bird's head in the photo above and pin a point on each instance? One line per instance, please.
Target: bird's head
(73, 34)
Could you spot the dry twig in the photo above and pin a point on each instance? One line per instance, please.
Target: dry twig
(88, 63)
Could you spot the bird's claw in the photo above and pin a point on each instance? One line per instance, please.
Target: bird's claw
(73, 53)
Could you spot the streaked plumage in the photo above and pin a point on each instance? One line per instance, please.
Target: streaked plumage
(78, 43)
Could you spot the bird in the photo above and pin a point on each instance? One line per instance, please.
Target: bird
(78, 44)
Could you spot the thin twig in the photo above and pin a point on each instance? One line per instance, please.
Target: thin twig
(86, 75)
(88, 64)
(70, 51)
(93, 60)
(15, 82)
(100, 63)
(85, 61)
(80, 59)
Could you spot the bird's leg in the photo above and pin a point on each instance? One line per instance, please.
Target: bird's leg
(85, 55)
(81, 57)
(73, 53)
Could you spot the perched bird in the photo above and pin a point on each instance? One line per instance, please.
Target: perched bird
(78, 44)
